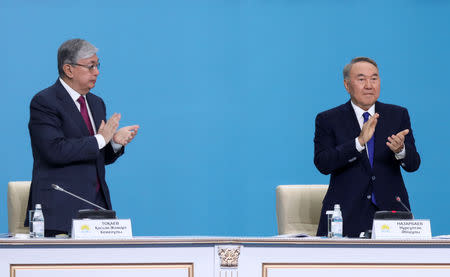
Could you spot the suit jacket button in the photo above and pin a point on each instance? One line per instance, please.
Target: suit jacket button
(373, 178)
(369, 196)
(403, 164)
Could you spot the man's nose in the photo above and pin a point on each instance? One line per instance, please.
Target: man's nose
(95, 71)
(368, 84)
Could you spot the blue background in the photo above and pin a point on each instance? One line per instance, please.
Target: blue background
(226, 93)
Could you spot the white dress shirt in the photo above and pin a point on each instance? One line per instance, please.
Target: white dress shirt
(359, 115)
(100, 139)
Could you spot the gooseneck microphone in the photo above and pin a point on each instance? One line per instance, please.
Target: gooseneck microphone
(56, 187)
(399, 200)
(395, 215)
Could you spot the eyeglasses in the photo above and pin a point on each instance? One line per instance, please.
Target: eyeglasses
(90, 67)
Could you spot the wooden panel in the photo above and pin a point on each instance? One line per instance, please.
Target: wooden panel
(356, 269)
(110, 270)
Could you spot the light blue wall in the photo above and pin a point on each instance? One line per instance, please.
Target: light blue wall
(226, 93)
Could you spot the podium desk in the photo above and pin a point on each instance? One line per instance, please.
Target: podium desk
(223, 257)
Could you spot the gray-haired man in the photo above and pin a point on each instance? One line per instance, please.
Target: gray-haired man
(71, 139)
(363, 144)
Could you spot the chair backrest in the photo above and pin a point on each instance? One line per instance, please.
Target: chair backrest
(298, 208)
(18, 192)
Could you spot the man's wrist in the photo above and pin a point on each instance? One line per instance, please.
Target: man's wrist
(401, 149)
(116, 146)
(100, 141)
(401, 154)
(358, 145)
(361, 141)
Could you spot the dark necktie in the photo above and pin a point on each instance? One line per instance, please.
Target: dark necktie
(85, 115)
(370, 148)
(87, 120)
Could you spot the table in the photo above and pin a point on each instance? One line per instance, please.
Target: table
(223, 257)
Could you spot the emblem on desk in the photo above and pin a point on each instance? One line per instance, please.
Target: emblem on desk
(85, 228)
(229, 256)
(385, 228)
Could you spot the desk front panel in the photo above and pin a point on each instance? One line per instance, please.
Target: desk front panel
(222, 257)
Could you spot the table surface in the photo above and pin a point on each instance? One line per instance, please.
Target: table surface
(208, 240)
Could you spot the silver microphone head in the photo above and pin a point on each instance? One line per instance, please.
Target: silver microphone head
(57, 187)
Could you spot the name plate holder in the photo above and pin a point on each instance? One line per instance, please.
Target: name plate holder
(101, 229)
(417, 229)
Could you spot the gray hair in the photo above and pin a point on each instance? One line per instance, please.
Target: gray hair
(348, 67)
(73, 50)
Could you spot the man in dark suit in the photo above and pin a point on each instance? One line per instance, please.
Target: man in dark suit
(71, 139)
(363, 144)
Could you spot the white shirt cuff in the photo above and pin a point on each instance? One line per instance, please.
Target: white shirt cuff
(401, 155)
(358, 146)
(100, 141)
(116, 147)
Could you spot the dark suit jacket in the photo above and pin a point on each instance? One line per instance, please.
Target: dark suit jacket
(65, 154)
(352, 178)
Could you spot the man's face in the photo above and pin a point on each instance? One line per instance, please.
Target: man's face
(83, 79)
(363, 84)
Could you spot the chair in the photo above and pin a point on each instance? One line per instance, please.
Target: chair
(298, 208)
(18, 192)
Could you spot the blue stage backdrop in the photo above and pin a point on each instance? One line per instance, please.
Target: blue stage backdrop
(226, 93)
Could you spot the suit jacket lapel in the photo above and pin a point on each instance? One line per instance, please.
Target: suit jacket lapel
(71, 108)
(351, 120)
(96, 110)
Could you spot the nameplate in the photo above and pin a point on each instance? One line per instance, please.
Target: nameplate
(401, 229)
(101, 229)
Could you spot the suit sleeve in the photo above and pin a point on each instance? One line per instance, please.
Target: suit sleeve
(110, 155)
(48, 138)
(411, 162)
(328, 156)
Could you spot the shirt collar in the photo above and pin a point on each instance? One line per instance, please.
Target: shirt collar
(73, 93)
(359, 112)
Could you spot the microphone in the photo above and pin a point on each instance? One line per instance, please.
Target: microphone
(396, 215)
(403, 204)
(56, 187)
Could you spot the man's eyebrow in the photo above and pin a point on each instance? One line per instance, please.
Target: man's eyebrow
(362, 75)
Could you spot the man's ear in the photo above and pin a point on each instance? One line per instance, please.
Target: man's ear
(68, 70)
(346, 84)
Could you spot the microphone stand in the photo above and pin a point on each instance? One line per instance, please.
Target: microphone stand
(102, 213)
